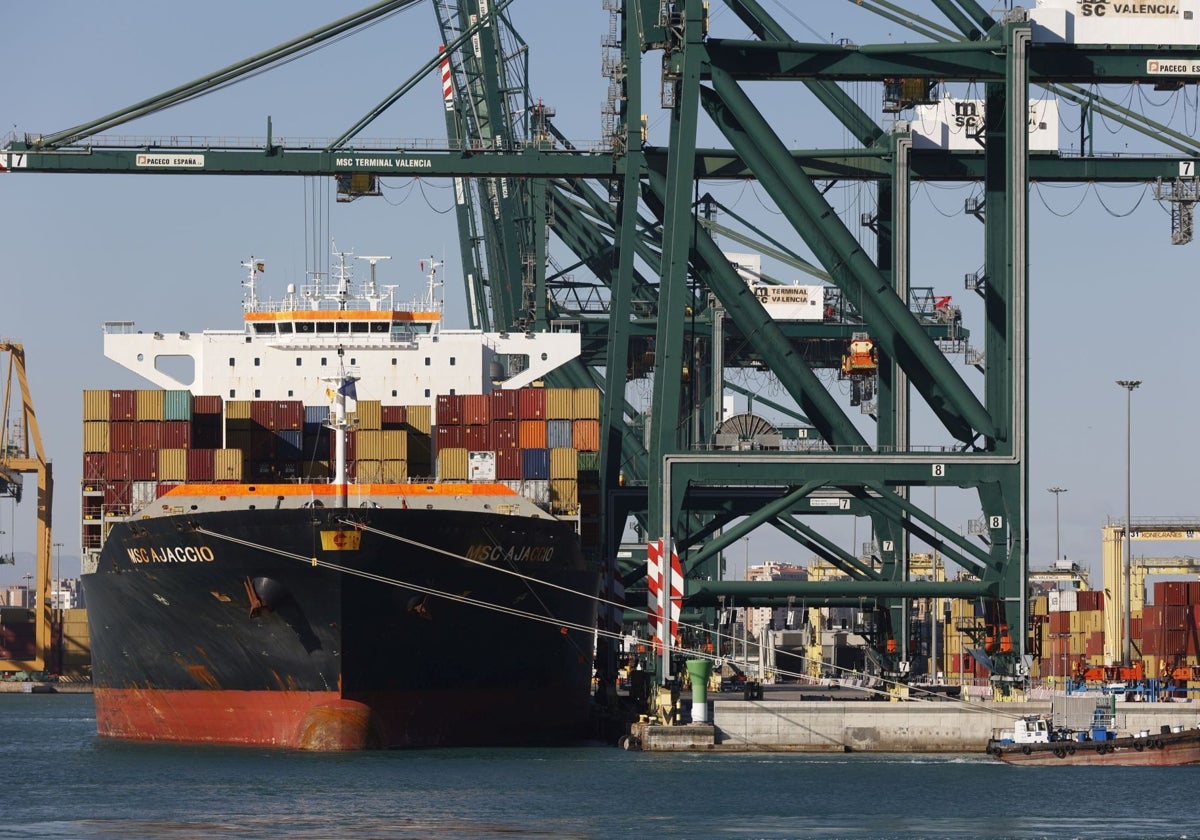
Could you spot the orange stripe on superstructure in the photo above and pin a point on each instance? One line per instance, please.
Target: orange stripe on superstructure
(353, 490)
(344, 315)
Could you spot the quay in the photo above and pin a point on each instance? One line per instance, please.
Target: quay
(790, 718)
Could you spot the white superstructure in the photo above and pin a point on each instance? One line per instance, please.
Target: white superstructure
(288, 349)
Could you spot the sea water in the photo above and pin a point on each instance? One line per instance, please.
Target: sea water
(62, 781)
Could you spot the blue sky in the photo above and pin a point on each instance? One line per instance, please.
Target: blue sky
(1111, 298)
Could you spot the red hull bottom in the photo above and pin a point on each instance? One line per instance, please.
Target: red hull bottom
(326, 721)
(1166, 750)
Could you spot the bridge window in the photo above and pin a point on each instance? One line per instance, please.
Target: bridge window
(324, 326)
(379, 326)
(358, 326)
(305, 327)
(264, 329)
(232, 361)
(286, 327)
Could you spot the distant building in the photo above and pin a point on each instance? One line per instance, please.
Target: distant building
(16, 596)
(759, 619)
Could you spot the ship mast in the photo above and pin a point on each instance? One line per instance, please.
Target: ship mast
(255, 267)
(339, 423)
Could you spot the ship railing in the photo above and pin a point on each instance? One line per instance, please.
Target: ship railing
(119, 328)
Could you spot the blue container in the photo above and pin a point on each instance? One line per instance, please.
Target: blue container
(558, 434)
(535, 464)
(288, 445)
(315, 415)
(177, 405)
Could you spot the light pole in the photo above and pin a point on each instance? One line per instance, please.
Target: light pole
(1128, 385)
(58, 574)
(1057, 491)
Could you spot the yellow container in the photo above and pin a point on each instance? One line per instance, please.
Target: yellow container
(149, 404)
(227, 464)
(368, 445)
(237, 409)
(453, 464)
(368, 471)
(560, 403)
(395, 471)
(172, 464)
(394, 445)
(95, 405)
(586, 404)
(419, 418)
(370, 415)
(564, 463)
(95, 436)
(564, 495)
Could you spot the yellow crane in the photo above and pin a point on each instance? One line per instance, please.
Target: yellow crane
(21, 452)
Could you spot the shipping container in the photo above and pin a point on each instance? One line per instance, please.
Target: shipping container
(481, 465)
(207, 404)
(143, 493)
(315, 415)
(144, 465)
(96, 436)
(149, 404)
(394, 445)
(476, 410)
(535, 464)
(419, 418)
(589, 464)
(508, 464)
(289, 445)
(395, 470)
(503, 434)
(504, 405)
(173, 464)
(531, 404)
(449, 437)
(206, 432)
(177, 405)
(452, 464)
(148, 435)
(477, 437)
(122, 436)
(585, 435)
(449, 410)
(200, 465)
(122, 405)
(564, 496)
(1091, 600)
(560, 403)
(586, 404)
(116, 497)
(237, 410)
(369, 414)
(94, 464)
(393, 417)
(228, 465)
(558, 434)
(564, 463)
(96, 405)
(531, 434)
(368, 471)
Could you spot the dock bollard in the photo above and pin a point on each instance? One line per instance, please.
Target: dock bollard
(698, 670)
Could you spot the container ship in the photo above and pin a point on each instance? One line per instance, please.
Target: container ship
(351, 529)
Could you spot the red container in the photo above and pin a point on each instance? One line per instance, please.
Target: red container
(449, 437)
(122, 436)
(1193, 591)
(393, 417)
(94, 465)
(206, 432)
(1152, 619)
(206, 405)
(122, 405)
(585, 435)
(118, 466)
(1060, 622)
(504, 435)
(117, 493)
(508, 464)
(449, 410)
(148, 436)
(350, 449)
(477, 438)
(176, 434)
(531, 404)
(200, 465)
(476, 410)
(1090, 600)
(1174, 643)
(1174, 592)
(1175, 617)
(144, 465)
(278, 414)
(504, 405)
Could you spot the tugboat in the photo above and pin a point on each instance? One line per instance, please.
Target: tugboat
(1035, 740)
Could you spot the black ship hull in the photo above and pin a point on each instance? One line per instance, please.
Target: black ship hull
(291, 628)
